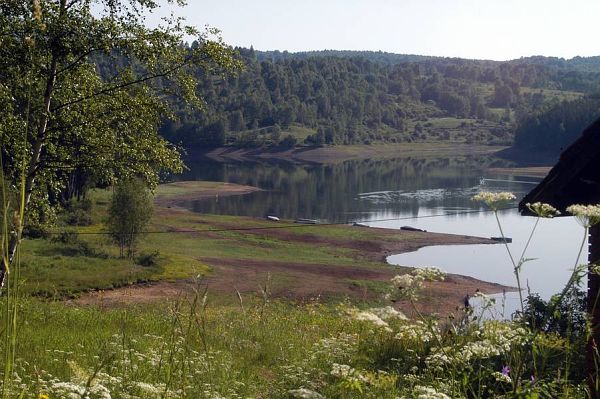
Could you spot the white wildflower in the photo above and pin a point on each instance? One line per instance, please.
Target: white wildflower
(304, 393)
(439, 359)
(429, 393)
(430, 274)
(404, 281)
(494, 200)
(500, 377)
(479, 350)
(370, 317)
(147, 388)
(543, 210)
(345, 372)
(418, 332)
(410, 284)
(388, 313)
(342, 370)
(587, 215)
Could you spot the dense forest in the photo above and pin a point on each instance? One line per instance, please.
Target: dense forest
(553, 129)
(343, 97)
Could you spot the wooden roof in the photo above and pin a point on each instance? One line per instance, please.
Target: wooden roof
(575, 179)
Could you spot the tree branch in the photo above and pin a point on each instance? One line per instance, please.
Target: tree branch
(122, 86)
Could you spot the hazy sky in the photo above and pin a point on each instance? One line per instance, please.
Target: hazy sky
(489, 29)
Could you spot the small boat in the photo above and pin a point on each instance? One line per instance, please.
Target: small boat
(306, 221)
(356, 224)
(507, 240)
(410, 228)
(273, 218)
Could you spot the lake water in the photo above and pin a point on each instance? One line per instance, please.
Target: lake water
(428, 193)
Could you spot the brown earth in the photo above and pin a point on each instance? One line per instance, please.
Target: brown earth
(302, 281)
(296, 281)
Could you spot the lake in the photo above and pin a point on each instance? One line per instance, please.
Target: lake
(428, 193)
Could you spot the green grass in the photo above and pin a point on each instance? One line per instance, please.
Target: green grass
(235, 353)
(449, 123)
(553, 94)
(52, 268)
(264, 349)
(188, 187)
(299, 132)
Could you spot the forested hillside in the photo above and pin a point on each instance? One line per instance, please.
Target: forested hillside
(342, 97)
(553, 129)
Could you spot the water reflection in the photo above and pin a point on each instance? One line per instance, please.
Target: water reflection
(407, 191)
(349, 191)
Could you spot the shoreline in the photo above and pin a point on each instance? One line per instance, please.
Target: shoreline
(361, 276)
(341, 153)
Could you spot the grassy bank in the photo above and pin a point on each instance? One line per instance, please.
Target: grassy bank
(231, 253)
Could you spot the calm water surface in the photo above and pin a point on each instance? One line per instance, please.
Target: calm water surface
(407, 191)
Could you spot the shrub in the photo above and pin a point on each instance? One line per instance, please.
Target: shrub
(148, 259)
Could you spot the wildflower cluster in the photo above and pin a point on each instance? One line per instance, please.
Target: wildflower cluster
(543, 210)
(304, 393)
(587, 215)
(379, 317)
(132, 372)
(409, 285)
(494, 201)
(418, 332)
(371, 318)
(493, 339)
(429, 393)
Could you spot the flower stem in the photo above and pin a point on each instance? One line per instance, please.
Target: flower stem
(515, 266)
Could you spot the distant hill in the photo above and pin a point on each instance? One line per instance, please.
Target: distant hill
(336, 97)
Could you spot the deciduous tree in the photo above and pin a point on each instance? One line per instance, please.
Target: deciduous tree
(129, 212)
(60, 115)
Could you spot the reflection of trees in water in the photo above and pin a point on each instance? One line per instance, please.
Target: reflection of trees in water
(331, 191)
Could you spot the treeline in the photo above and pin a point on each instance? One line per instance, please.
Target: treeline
(554, 129)
(341, 97)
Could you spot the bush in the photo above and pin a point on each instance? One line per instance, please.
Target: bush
(78, 217)
(288, 141)
(66, 237)
(148, 259)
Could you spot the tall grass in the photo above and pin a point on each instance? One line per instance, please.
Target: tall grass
(12, 229)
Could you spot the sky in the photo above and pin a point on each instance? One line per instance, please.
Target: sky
(477, 29)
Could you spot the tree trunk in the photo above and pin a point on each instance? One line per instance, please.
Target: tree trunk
(593, 300)
(36, 151)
